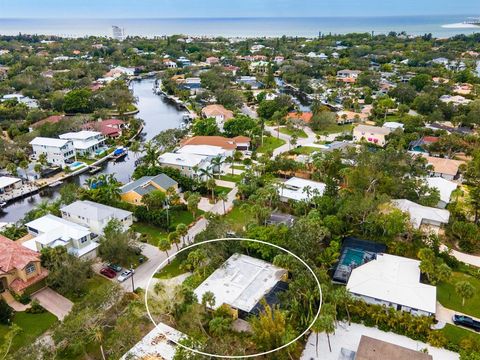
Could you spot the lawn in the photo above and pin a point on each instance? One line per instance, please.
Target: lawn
(94, 283)
(299, 132)
(448, 297)
(335, 128)
(455, 334)
(171, 270)
(238, 218)
(221, 189)
(32, 325)
(270, 143)
(239, 167)
(305, 150)
(154, 233)
(232, 178)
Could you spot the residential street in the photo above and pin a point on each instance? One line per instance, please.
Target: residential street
(156, 257)
(312, 137)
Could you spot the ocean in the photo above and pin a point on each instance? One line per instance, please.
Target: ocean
(240, 27)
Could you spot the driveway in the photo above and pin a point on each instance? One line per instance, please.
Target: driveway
(466, 258)
(445, 315)
(55, 303)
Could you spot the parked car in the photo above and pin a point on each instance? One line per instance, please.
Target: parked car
(125, 275)
(466, 321)
(115, 267)
(108, 273)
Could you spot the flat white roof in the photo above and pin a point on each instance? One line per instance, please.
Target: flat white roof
(157, 343)
(296, 189)
(444, 187)
(241, 282)
(188, 160)
(393, 279)
(95, 211)
(419, 212)
(44, 141)
(207, 150)
(7, 181)
(52, 228)
(80, 135)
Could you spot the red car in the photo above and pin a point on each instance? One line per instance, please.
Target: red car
(108, 273)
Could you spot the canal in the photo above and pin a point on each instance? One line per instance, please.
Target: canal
(157, 113)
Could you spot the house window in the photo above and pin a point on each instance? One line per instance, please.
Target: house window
(30, 268)
(83, 240)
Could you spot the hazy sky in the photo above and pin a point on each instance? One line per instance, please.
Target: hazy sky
(229, 8)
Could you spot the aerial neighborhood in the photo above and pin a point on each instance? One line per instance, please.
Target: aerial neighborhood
(319, 192)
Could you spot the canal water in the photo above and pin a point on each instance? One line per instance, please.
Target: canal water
(157, 113)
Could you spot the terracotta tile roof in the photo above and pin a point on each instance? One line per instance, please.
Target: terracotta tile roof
(223, 142)
(19, 285)
(216, 110)
(51, 120)
(15, 256)
(241, 139)
(430, 139)
(444, 166)
(304, 116)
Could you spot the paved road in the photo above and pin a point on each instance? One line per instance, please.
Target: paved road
(156, 257)
(55, 303)
(308, 141)
(466, 258)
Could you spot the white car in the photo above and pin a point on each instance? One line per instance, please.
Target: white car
(125, 275)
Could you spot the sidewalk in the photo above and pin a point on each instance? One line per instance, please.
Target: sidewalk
(466, 258)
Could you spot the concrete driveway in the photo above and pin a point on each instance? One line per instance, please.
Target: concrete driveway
(55, 303)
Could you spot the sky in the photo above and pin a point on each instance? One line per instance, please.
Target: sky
(229, 8)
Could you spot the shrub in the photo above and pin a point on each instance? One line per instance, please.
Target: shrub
(6, 313)
(35, 308)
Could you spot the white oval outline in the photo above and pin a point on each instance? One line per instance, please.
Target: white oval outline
(237, 356)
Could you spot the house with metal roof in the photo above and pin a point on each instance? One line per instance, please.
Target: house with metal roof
(134, 191)
(393, 281)
(423, 216)
(189, 164)
(298, 189)
(444, 187)
(95, 216)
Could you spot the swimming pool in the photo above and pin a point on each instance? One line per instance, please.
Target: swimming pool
(76, 165)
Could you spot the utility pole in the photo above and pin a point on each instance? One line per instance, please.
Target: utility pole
(133, 273)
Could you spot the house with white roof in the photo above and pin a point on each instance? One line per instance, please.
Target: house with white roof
(85, 142)
(444, 187)
(241, 283)
(95, 216)
(8, 183)
(393, 281)
(423, 216)
(188, 164)
(58, 152)
(50, 231)
(160, 343)
(393, 125)
(298, 189)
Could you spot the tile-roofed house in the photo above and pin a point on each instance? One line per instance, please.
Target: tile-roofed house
(445, 168)
(372, 134)
(95, 216)
(217, 112)
(236, 143)
(306, 117)
(110, 127)
(134, 191)
(19, 267)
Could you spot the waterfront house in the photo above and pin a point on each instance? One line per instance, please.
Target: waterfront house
(231, 144)
(59, 152)
(9, 183)
(249, 81)
(428, 218)
(95, 216)
(86, 143)
(192, 84)
(241, 283)
(298, 189)
(188, 164)
(20, 268)
(444, 187)
(110, 128)
(134, 191)
(217, 112)
(50, 231)
(393, 281)
(372, 134)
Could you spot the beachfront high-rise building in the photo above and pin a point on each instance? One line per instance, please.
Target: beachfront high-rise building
(118, 33)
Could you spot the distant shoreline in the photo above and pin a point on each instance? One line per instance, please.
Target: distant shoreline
(460, 26)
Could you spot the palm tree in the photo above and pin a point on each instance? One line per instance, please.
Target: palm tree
(465, 290)
(223, 196)
(165, 245)
(182, 230)
(206, 173)
(152, 153)
(211, 184)
(326, 324)
(217, 161)
(174, 238)
(208, 299)
(135, 147)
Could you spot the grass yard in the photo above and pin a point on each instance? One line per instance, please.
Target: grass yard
(239, 167)
(221, 189)
(32, 325)
(238, 218)
(270, 143)
(299, 132)
(448, 297)
(305, 150)
(335, 128)
(232, 178)
(94, 283)
(153, 233)
(171, 270)
(455, 334)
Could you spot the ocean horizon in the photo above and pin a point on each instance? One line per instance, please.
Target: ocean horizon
(239, 26)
